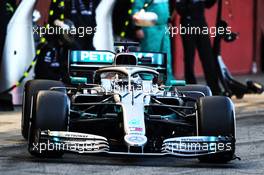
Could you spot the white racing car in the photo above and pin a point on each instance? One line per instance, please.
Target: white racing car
(126, 111)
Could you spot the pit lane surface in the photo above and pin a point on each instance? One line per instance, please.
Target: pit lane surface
(14, 158)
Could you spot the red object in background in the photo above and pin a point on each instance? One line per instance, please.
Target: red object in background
(43, 7)
(259, 36)
(237, 55)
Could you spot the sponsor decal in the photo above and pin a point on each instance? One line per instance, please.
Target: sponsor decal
(134, 122)
(135, 129)
(92, 57)
(136, 140)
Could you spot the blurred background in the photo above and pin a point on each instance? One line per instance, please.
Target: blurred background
(244, 56)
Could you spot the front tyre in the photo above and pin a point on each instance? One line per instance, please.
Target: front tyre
(31, 88)
(50, 112)
(216, 118)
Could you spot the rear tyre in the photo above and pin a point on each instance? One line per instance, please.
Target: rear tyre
(31, 88)
(50, 112)
(216, 118)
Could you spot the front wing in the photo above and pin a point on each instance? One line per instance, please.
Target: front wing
(193, 146)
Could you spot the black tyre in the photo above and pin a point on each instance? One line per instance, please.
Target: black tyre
(188, 89)
(216, 118)
(31, 88)
(50, 112)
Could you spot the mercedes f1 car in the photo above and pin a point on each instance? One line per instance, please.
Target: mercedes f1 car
(124, 109)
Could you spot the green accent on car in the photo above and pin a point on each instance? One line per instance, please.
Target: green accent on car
(170, 116)
(178, 83)
(79, 80)
(147, 77)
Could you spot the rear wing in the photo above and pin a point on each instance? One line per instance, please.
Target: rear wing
(83, 64)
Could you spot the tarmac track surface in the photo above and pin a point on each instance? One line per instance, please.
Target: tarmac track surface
(14, 158)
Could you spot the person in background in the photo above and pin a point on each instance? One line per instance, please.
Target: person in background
(192, 13)
(50, 64)
(155, 38)
(7, 9)
(82, 14)
(53, 60)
